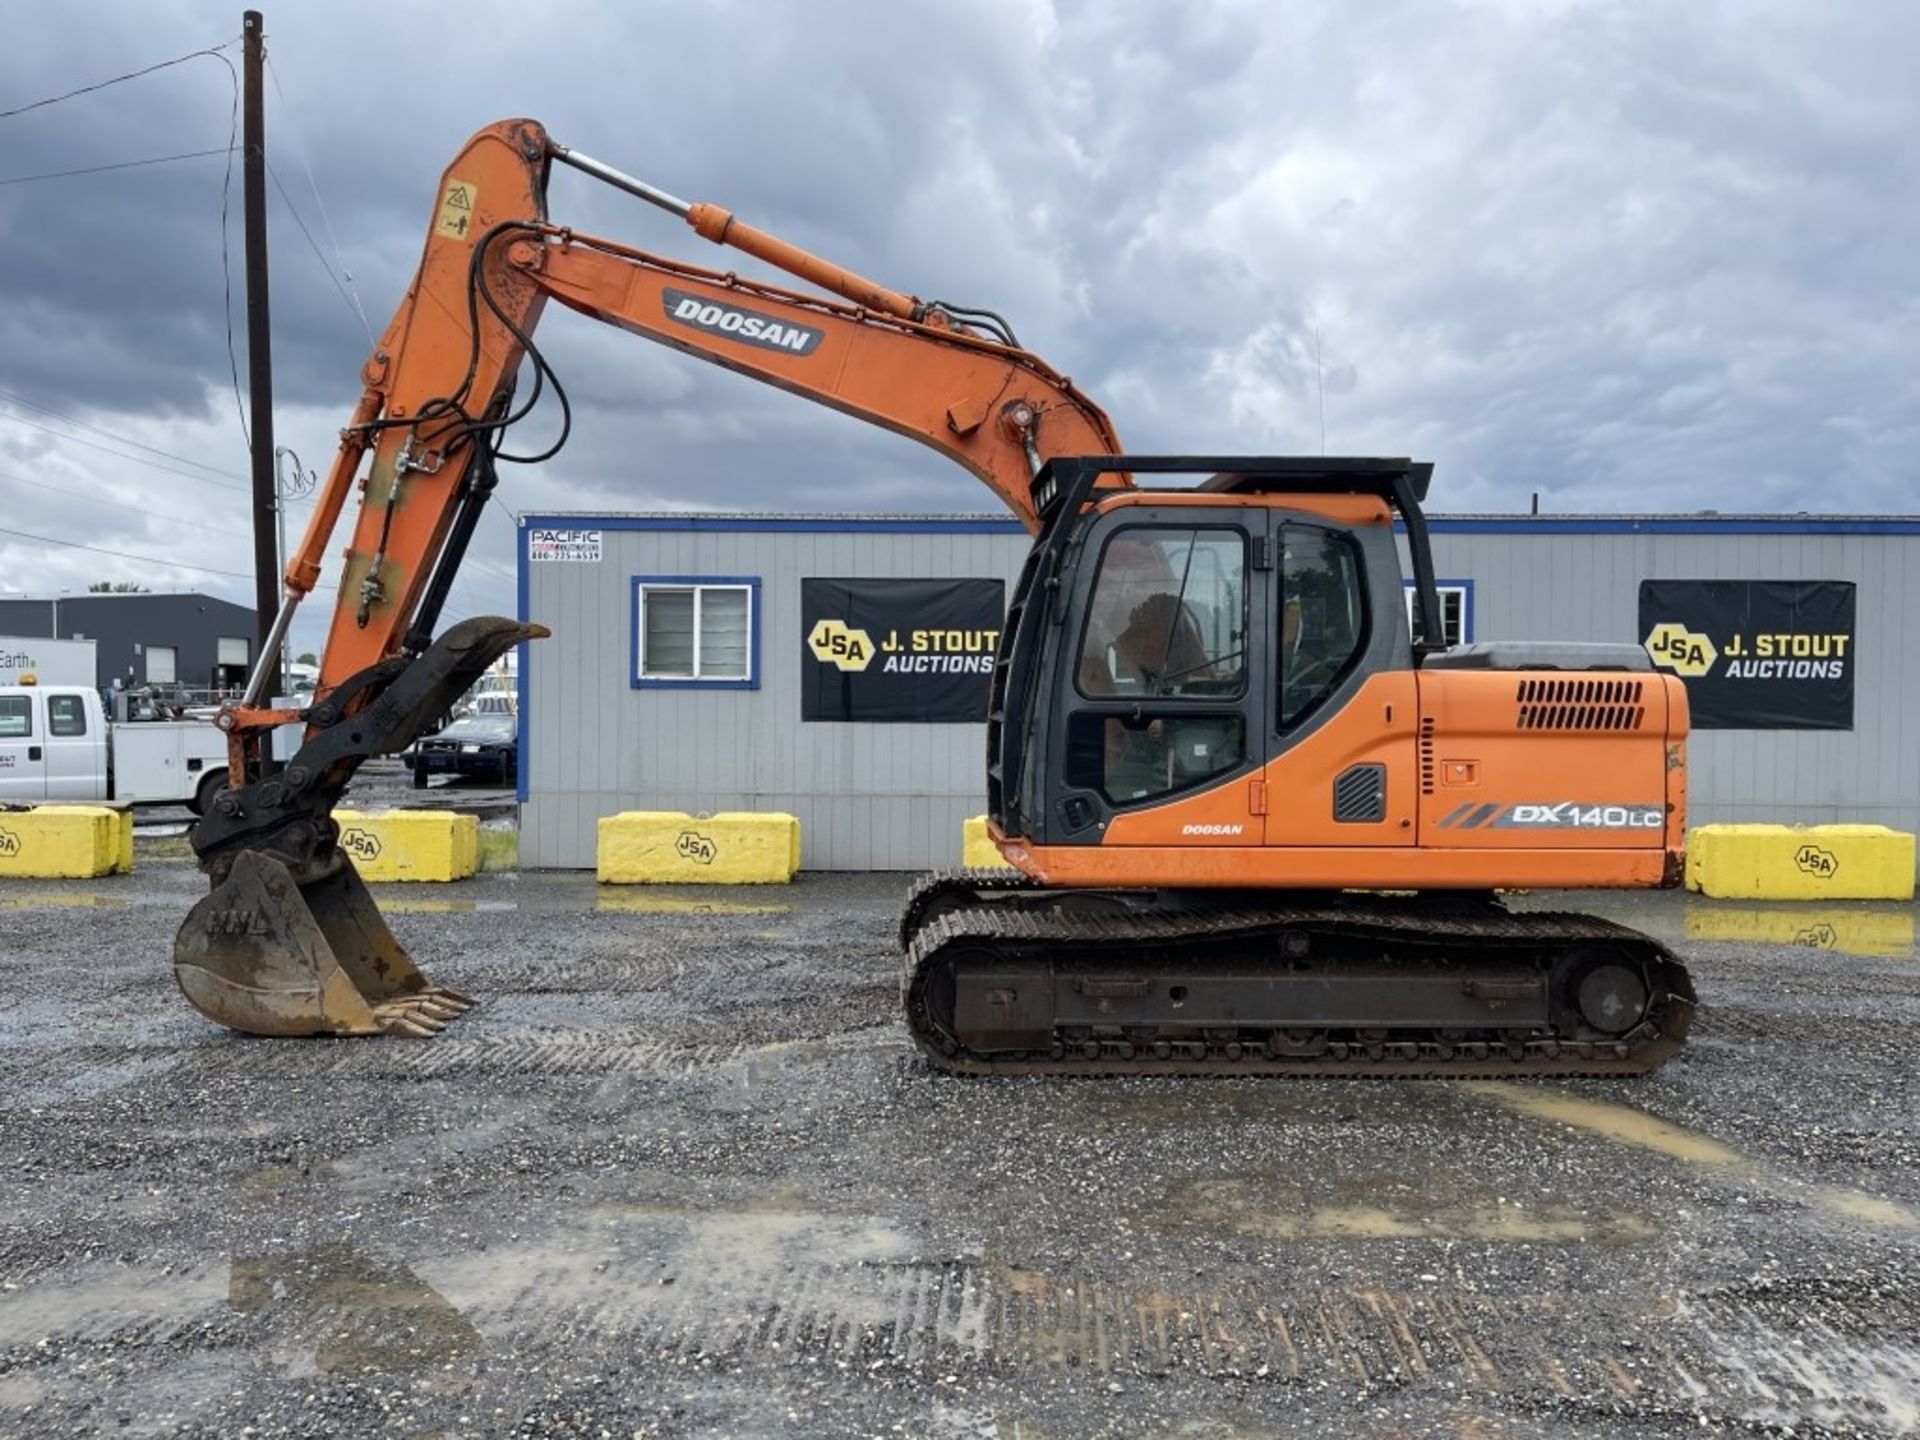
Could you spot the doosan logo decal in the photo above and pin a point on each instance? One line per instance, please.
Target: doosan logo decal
(749, 327)
(1211, 829)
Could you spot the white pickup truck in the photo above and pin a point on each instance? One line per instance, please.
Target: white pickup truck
(56, 744)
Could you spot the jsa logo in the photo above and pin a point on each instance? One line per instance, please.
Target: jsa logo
(1681, 650)
(836, 643)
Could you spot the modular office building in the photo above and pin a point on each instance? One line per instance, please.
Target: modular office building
(836, 667)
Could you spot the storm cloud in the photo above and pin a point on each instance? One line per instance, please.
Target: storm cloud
(1627, 257)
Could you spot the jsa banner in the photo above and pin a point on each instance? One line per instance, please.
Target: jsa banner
(1756, 654)
(899, 650)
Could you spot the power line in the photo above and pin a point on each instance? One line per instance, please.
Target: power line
(102, 169)
(124, 555)
(22, 401)
(117, 79)
(226, 273)
(326, 221)
(118, 455)
(93, 499)
(314, 246)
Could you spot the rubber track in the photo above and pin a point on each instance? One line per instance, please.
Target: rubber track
(1023, 935)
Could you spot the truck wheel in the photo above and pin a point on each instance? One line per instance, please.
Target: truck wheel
(211, 784)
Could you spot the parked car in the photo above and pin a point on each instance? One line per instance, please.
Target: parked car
(482, 747)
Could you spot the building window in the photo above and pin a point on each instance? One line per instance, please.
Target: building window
(234, 651)
(161, 665)
(66, 716)
(696, 630)
(1456, 610)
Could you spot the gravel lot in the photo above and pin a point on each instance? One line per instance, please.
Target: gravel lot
(680, 1174)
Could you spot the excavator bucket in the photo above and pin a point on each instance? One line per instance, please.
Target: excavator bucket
(289, 941)
(265, 955)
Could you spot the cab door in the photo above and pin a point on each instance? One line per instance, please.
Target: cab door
(1163, 695)
(23, 756)
(1343, 712)
(75, 746)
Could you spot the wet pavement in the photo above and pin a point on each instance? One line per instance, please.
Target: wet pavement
(681, 1174)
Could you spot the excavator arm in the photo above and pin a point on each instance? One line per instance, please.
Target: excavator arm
(289, 941)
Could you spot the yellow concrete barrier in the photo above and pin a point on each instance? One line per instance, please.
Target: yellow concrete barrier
(668, 847)
(410, 844)
(977, 850)
(1800, 862)
(65, 842)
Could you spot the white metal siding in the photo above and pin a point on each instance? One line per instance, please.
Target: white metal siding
(869, 797)
(893, 797)
(1587, 587)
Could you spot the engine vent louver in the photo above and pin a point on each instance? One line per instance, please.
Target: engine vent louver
(1581, 704)
(1426, 756)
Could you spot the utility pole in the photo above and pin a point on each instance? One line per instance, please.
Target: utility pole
(266, 586)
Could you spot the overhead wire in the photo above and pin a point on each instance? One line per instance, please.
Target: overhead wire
(226, 269)
(117, 165)
(118, 79)
(326, 221)
(65, 419)
(313, 245)
(105, 450)
(95, 499)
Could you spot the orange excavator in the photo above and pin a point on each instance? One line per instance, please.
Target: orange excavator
(1256, 811)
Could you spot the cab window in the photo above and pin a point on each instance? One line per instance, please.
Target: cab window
(1168, 617)
(66, 716)
(16, 717)
(1323, 617)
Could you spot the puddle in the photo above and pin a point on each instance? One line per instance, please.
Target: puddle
(61, 902)
(643, 904)
(1883, 930)
(1628, 1126)
(1241, 1205)
(409, 906)
(356, 1313)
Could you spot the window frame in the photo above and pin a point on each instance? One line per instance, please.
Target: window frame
(28, 734)
(1363, 641)
(636, 620)
(1442, 589)
(1222, 527)
(54, 732)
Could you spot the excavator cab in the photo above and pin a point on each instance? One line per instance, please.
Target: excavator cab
(1166, 642)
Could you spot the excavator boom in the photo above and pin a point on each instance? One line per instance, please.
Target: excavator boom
(289, 942)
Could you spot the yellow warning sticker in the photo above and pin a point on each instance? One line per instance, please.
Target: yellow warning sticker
(456, 209)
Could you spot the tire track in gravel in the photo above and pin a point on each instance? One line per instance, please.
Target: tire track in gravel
(733, 1292)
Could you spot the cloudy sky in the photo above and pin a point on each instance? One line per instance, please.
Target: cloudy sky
(1630, 257)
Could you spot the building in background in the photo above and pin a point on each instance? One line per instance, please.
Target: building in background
(702, 662)
(196, 642)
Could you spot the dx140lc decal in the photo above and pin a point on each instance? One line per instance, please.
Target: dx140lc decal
(1564, 815)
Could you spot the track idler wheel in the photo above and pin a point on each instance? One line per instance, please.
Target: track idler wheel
(264, 955)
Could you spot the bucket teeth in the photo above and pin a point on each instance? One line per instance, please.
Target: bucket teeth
(268, 956)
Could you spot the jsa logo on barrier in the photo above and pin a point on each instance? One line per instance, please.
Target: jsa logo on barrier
(360, 844)
(1812, 860)
(695, 847)
(9, 845)
(749, 327)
